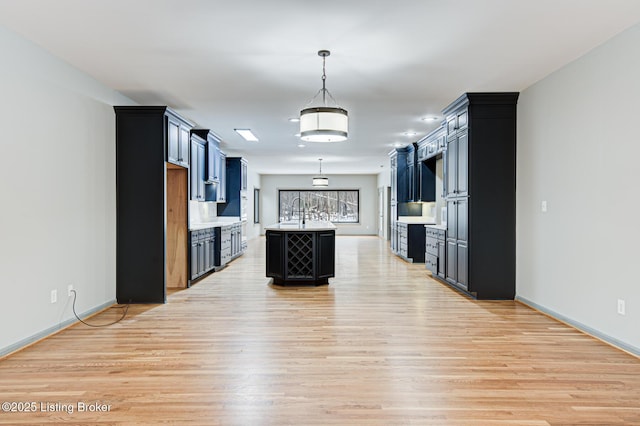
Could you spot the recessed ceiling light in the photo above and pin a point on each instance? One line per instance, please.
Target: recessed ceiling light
(247, 134)
(430, 118)
(410, 133)
(294, 120)
(297, 135)
(301, 145)
(397, 144)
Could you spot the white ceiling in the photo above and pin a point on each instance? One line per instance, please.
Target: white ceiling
(254, 64)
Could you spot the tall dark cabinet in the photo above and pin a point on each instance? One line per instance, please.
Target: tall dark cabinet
(399, 188)
(149, 141)
(480, 168)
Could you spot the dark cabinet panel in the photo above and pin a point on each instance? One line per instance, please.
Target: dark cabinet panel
(462, 168)
(197, 168)
(275, 255)
(462, 220)
(183, 146)
(243, 175)
(195, 248)
(221, 167)
(452, 261)
(177, 142)
(451, 164)
(235, 205)
(173, 142)
(442, 247)
(457, 164)
(452, 220)
(462, 265)
(400, 177)
(326, 254)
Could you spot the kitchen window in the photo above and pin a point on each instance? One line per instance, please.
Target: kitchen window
(320, 205)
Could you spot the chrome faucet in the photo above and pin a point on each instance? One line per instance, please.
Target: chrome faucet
(291, 208)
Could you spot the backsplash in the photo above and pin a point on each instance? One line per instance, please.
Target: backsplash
(200, 212)
(420, 212)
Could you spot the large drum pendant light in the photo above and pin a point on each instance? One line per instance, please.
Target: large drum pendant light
(324, 123)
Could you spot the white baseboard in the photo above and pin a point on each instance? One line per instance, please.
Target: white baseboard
(52, 330)
(585, 329)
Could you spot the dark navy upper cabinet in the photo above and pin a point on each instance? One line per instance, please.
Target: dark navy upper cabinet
(197, 167)
(221, 167)
(214, 171)
(428, 150)
(236, 184)
(177, 141)
(401, 176)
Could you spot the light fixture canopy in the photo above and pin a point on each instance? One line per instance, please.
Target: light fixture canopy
(324, 123)
(320, 180)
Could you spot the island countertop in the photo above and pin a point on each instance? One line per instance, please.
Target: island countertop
(295, 226)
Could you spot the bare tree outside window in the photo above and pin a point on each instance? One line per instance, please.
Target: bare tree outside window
(322, 205)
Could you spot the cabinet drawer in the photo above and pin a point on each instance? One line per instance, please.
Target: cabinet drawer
(431, 246)
(435, 233)
(431, 263)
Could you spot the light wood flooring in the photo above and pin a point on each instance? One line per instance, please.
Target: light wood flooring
(383, 344)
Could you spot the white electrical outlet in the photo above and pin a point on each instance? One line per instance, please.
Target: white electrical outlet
(54, 296)
(543, 206)
(621, 307)
(69, 290)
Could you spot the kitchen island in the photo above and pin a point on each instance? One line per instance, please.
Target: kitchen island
(301, 253)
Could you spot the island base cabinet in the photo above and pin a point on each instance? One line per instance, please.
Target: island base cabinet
(300, 257)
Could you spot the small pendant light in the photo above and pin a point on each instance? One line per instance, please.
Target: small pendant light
(320, 180)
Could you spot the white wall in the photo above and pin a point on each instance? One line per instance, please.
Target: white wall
(253, 230)
(57, 185)
(270, 184)
(384, 183)
(578, 149)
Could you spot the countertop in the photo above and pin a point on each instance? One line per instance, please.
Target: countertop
(441, 227)
(419, 222)
(205, 225)
(309, 226)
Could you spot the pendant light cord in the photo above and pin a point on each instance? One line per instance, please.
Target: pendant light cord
(325, 92)
(324, 86)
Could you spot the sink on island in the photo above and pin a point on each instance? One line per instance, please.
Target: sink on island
(300, 253)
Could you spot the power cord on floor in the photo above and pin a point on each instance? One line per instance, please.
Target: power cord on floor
(73, 308)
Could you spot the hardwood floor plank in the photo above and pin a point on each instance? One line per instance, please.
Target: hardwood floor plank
(382, 344)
